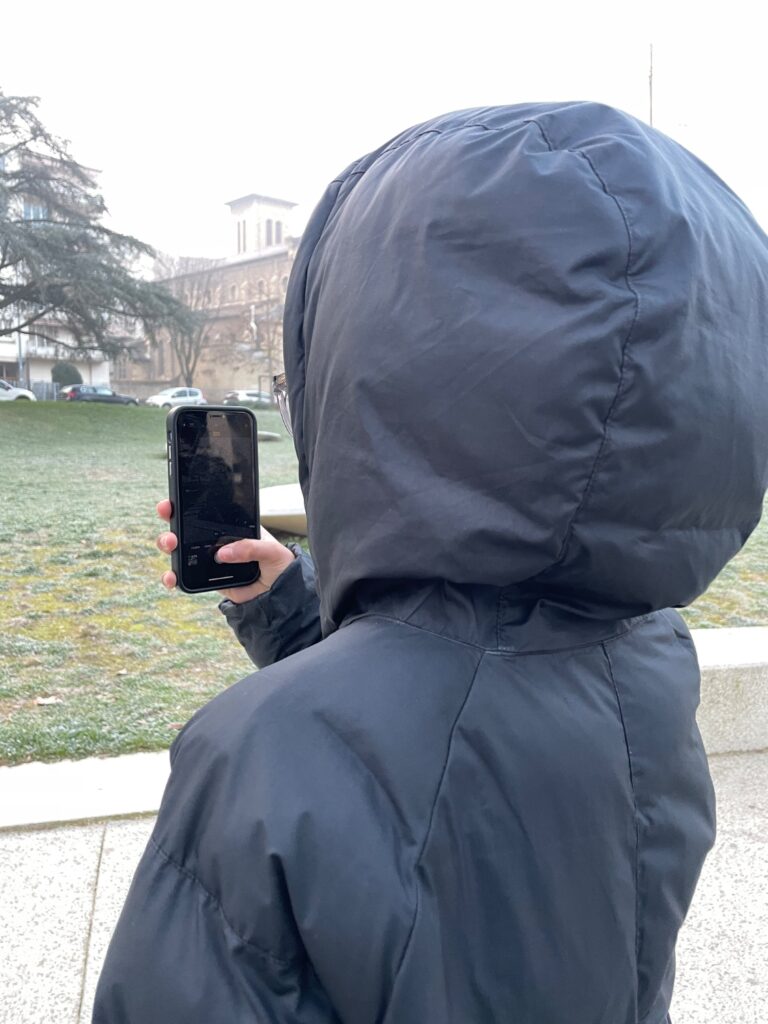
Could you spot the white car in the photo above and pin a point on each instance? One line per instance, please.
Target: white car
(170, 397)
(250, 396)
(9, 393)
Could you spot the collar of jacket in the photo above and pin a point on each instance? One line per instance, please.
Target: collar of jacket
(492, 618)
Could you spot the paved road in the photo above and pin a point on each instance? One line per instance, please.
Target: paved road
(62, 889)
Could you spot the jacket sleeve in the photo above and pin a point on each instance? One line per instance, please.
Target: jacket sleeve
(176, 958)
(284, 620)
(206, 935)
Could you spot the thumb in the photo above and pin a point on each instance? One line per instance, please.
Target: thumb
(250, 551)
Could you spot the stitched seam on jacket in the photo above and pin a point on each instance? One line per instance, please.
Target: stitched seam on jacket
(452, 130)
(428, 833)
(501, 652)
(624, 348)
(634, 802)
(280, 961)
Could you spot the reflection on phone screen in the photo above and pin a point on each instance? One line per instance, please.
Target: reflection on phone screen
(217, 491)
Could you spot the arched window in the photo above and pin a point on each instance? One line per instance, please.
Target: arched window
(278, 232)
(269, 232)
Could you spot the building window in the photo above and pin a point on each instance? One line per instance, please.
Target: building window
(269, 233)
(278, 232)
(262, 288)
(245, 244)
(233, 292)
(34, 211)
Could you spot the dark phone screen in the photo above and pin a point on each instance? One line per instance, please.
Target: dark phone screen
(217, 489)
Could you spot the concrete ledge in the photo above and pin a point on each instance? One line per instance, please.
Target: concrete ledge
(733, 718)
(96, 787)
(733, 715)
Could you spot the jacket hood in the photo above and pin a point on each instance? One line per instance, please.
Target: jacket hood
(526, 348)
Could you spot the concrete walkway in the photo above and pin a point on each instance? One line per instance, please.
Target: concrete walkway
(62, 889)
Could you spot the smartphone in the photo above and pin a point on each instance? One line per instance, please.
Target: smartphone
(214, 489)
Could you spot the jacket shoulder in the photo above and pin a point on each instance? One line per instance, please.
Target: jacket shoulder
(306, 787)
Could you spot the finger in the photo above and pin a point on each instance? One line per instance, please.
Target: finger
(169, 579)
(249, 551)
(164, 509)
(167, 542)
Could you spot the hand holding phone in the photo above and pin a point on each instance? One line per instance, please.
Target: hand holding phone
(213, 481)
(272, 556)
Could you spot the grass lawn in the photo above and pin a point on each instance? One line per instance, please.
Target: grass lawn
(85, 619)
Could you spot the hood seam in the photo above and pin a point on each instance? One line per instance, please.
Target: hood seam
(624, 349)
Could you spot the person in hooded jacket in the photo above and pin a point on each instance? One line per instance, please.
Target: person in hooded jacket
(526, 362)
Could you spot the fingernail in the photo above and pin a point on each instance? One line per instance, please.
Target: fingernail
(224, 554)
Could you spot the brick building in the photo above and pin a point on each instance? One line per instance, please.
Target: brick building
(240, 300)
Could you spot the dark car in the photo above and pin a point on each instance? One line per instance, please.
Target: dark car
(95, 393)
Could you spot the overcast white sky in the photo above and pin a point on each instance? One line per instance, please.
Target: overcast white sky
(185, 105)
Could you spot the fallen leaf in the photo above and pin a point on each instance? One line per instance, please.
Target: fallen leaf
(122, 672)
(45, 701)
(175, 725)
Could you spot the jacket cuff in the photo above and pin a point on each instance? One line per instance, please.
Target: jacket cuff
(283, 620)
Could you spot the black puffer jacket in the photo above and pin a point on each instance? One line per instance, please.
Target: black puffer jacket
(526, 350)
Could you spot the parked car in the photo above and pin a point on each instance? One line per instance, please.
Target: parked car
(169, 397)
(250, 396)
(9, 393)
(97, 393)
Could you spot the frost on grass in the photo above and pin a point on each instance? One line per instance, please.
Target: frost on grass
(85, 617)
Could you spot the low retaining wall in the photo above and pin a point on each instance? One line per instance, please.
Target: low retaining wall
(733, 715)
(733, 718)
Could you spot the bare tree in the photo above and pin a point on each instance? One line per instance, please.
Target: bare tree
(265, 321)
(192, 282)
